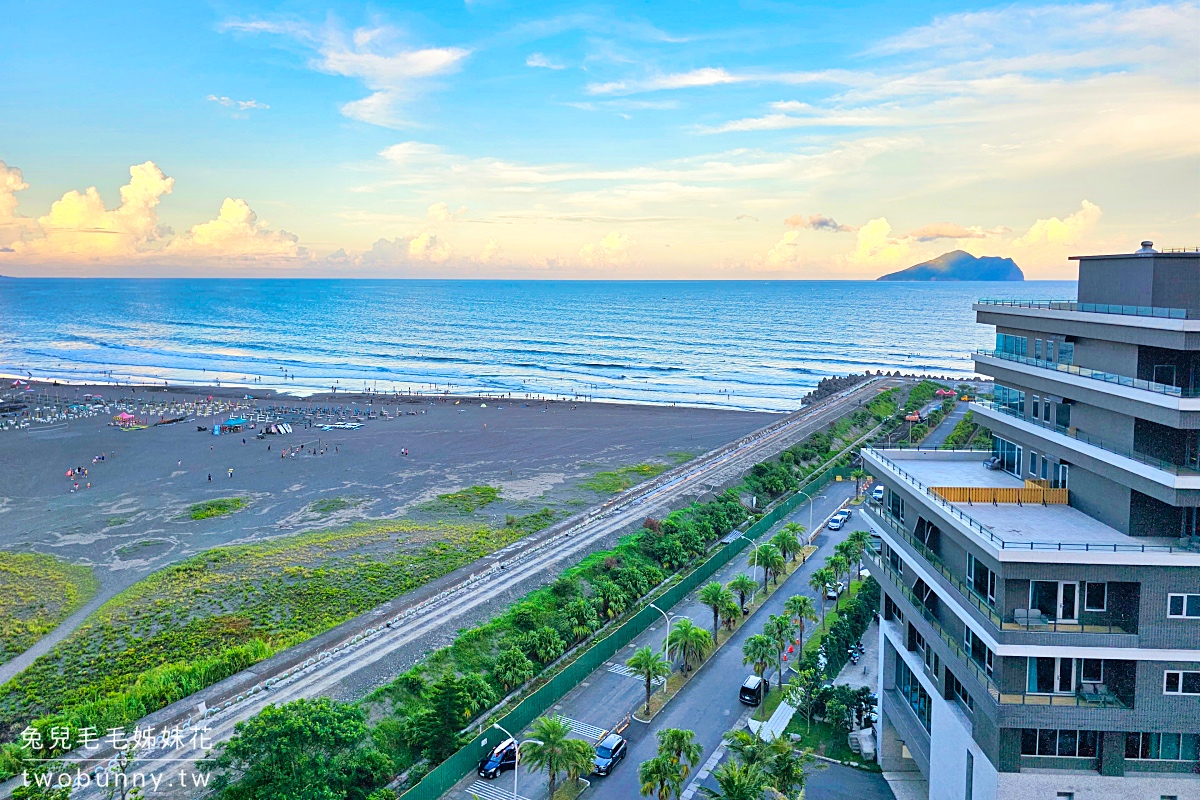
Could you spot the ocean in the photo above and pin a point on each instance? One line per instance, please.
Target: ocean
(757, 345)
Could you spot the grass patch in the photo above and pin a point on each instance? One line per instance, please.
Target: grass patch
(466, 501)
(197, 622)
(220, 507)
(329, 505)
(37, 592)
(138, 546)
(113, 522)
(530, 523)
(622, 478)
(827, 740)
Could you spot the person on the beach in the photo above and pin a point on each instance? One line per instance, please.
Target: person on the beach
(210, 477)
(231, 472)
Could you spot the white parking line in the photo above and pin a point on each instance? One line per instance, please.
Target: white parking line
(582, 728)
(621, 669)
(490, 791)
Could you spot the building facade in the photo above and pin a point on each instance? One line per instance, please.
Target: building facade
(1040, 628)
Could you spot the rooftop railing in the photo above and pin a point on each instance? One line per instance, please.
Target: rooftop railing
(1094, 308)
(1094, 441)
(989, 535)
(1084, 372)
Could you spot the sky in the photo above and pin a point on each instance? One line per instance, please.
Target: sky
(705, 140)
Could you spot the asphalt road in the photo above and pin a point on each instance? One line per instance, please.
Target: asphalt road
(939, 434)
(708, 705)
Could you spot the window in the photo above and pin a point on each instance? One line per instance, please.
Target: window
(912, 691)
(1057, 600)
(1050, 742)
(1162, 746)
(1066, 353)
(1050, 350)
(970, 790)
(1007, 343)
(1092, 671)
(956, 691)
(1037, 349)
(1045, 412)
(1035, 407)
(982, 578)
(1095, 596)
(1062, 415)
(1046, 675)
(1008, 453)
(1011, 399)
(1183, 606)
(896, 505)
(1179, 682)
(891, 610)
(980, 652)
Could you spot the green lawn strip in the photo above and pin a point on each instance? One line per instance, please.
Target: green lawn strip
(829, 741)
(328, 505)
(37, 592)
(197, 622)
(622, 478)
(216, 508)
(465, 501)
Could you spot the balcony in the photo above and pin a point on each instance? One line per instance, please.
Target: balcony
(1169, 473)
(1028, 620)
(1096, 375)
(1093, 308)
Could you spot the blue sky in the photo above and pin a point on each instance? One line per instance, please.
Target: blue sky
(628, 140)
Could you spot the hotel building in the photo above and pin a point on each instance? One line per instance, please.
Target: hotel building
(1040, 620)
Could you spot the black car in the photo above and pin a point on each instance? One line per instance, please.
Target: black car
(608, 753)
(502, 757)
(752, 691)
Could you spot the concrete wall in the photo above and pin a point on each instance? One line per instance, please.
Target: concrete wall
(1093, 786)
(1107, 356)
(1169, 281)
(1100, 498)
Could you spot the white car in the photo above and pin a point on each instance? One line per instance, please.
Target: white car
(838, 520)
(832, 591)
(877, 494)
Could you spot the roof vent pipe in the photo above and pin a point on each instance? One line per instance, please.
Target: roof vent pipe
(1147, 248)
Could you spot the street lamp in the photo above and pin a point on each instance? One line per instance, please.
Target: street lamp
(667, 638)
(757, 562)
(517, 762)
(811, 499)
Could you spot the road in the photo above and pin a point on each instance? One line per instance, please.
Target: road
(364, 642)
(707, 705)
(939, 434)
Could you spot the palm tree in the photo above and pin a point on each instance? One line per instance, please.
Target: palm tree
(689, 643)
(771, 561)
(787, 542)
(681, 747)
(862, 542)
(714, 595)
(839, 566)
(737, 782)
(780, 630)
(580, 758)
(858, 475)
(801, 609)
(818, 581)
(758, 650)
(750, 748)
(649, 665)
(661, 777)
(785, 766)
(744, 585)
(731, 612)
(550, 751)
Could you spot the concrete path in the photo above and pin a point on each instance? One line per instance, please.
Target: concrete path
(939, 434)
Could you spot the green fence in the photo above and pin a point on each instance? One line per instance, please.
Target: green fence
(443, 778)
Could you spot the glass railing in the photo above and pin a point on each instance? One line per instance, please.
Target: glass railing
(1084, 372)
(989, 535)
(1095, 441)
(951, 641)
(1094, 308)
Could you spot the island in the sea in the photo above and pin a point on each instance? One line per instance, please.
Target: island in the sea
(958, 265)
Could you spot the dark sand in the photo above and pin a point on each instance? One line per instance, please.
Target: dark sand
(133, 518)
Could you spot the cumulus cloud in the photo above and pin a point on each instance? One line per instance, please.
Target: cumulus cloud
(376, 56)
(11, 182)
(236, 231)
(440, 213)
(79, 224)
(428, 247)
(491, 250)
(876, 245)
(786, 252)
(541, 60)
(1055, 231)
(242, 105)
(818, 222)
(612, 250)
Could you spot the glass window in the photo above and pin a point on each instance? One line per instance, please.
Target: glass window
(1162, 746)
(1178, 682)
(1093, 670)
(1096, 597)
(1183, 606)
(1066, 353)
(1037, 348)
(1035, 405)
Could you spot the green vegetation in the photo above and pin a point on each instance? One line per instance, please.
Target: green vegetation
(530, 523)
(966, 434)
(197, 622)
(466, 501)
(37, 592)
(921, 394)
(329, 505)
(113, 522)
(217, 508)
(623, 478)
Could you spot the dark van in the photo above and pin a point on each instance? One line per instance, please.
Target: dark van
(502, 757)
(753, 690)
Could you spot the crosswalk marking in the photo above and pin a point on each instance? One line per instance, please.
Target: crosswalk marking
(621, 669)
(582, 728)
(490, 791)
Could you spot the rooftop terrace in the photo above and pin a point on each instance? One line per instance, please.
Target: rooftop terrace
(1015, 526)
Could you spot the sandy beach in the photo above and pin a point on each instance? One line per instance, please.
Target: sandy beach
(133, 520)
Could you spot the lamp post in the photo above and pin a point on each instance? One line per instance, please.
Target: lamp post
(811, 499)
(756, 561)
(667, 638)
(517, 762)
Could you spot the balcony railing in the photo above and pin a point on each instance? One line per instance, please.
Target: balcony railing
(1094, 308)
(1088, 695)
(1084, 372)
(955, 646)
(1094, 441)
(989, 535)
(1031, 622)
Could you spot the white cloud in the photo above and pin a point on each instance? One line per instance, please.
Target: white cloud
(1061, 232)
(716, 76)
(428, 247)
(818, 222)
(376, 56)
(950, 230)
(876, 245)
(79, 224)
(242, 105)
(612, 250)
(490, 252)
(542, 60)
(440, 213)
(11, 182)
(786, 252)
(236, 232)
